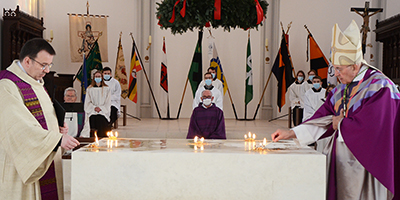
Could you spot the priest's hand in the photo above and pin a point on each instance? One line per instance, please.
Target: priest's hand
(64, 129)
(337, 119)
(282, 135)
(68, 142)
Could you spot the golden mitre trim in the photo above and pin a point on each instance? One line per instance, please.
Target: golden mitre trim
(346, 46)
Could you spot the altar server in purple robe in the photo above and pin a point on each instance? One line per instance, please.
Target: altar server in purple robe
(207, 119)
(362, 114)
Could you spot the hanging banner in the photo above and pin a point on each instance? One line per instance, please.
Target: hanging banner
(83, 32)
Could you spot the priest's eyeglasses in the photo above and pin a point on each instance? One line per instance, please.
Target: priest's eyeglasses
(43, 65)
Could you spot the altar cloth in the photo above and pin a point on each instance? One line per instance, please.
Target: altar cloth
(182, 169)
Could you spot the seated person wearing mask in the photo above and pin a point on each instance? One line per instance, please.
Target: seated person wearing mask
(308, 84)
(313, 98)
(218, 98)
(76, 121)
(207, 120)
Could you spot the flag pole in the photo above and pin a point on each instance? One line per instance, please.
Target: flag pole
(262, 96)
(227, 88)
(183, 94)
(147, 78)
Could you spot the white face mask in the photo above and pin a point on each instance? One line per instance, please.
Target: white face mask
(206, 102)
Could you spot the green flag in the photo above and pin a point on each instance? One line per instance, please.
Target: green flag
(196, 73)
(93, 61)
(249, 76)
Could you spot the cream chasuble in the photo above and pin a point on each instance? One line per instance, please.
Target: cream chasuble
(26, 149)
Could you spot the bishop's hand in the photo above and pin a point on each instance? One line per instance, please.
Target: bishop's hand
(282, 135)
(337, 119)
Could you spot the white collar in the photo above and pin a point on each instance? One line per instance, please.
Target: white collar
(363, 70)
(22, 68)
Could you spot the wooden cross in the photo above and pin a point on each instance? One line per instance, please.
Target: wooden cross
(364, 13)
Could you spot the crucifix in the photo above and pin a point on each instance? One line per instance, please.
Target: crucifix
(364, 13)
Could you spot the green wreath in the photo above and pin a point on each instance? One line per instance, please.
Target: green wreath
(234, 14)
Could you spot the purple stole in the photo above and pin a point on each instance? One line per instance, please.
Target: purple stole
(48, 184)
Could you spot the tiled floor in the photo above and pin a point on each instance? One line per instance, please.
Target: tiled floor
(156, 128)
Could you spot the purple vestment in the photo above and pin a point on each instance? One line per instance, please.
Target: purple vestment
(208, 123)
(370, 129)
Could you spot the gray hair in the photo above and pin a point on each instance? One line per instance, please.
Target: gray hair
(70, 89)
(207, 90)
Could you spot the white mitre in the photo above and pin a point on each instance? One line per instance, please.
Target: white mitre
(346, 45)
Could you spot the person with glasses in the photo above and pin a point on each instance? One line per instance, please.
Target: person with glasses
(30, 135)
(207, 119)
(362, 116)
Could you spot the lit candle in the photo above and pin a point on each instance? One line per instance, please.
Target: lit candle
(96, 138)
(116, 134)
(265, 142)
(266, 42)
(254, 136)
(195, 139)
(149, 39)
(51, 33)
(201, 139)
(245, 136)
(249, 135)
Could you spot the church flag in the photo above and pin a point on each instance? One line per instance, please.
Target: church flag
(84, 30)
(249, 75)
(135, 67)
(84, 81)
(318, 62)
(120, 71)
(195, 75)
(93, 62)
(283, 71)
(332, 79)
(216, 63)
(164, 82)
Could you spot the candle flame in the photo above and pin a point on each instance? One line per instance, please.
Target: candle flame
(265, 142)
(249, 135)
(96, 139)
(195, 139)
(202, 139)
(254, 136)
(245, 136)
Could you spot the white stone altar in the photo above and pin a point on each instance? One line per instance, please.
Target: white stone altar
(178, 169)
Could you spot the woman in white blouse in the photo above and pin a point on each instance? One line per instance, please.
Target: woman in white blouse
(98, 104)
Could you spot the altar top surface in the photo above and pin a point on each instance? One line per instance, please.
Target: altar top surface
(188, 146)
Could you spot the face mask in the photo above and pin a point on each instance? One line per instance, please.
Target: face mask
(311, 77)
(213, 75)
(300, 78)
(316, 86)
(208, 82)
(107, 77)
(98, 80)
(206, 102)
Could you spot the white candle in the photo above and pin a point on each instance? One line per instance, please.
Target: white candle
(266, 42)
(51, 33)
(149, 39)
